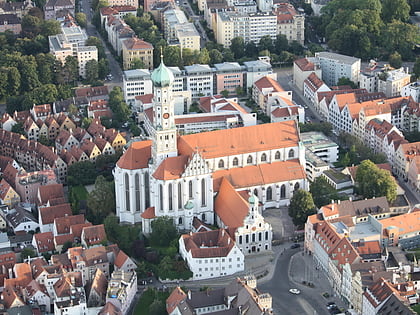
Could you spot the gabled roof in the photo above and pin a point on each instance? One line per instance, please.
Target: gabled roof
(19, 215)
(405, 223)
(94, 234)
(176, 297)
(9, 174)
(261, 174)
(99, 284)
(217, 243)
(135, 43)
(313, 82)
(120, 259)
(48, 192)
(76, 229)
(48, 214)
(92, 91)
(44, 242)
(4, 189)
(304, 64)
(171, 168)
(137, 155)
(240, 140)
(229, 206)
(266, 83)
(110, 309)
(63, 224)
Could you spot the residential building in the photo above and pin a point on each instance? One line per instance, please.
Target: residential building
(10, 22)
(96, 291)
(19, 219)
(255, 70)
(413, 90)
(8, 196)
(266, 93)
(122, 289)
(312, 85)
(137, 49)
(18, 8)
(335, 66)
(250, 26)
(119, 11)
(303, 68)
(222, 300)
(187, 37)
(47, 215)
(70, 296)
(199, 80)
(228, 76)
(391, 82)
(136, 82)
(55, 8)
(211, 254)
(123, 3)
(290, 23)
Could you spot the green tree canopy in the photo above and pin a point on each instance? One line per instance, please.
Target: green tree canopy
(157, 307)
(301, 206)
(395, 60)
(163, 231)
(92, 71)
(322, 192)
(81, 19)
(346, 81)
(215, 56)
(81, 173)
(101, 200)
(416, 68)
(375, 182)
(395, 10)
(237, 47)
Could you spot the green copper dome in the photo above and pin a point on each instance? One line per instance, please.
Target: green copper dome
(162, 76)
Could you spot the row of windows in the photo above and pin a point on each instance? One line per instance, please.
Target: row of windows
(250, 159)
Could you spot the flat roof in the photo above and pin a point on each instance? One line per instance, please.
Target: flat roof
(315, 140)
(337, 57)
(366, 231)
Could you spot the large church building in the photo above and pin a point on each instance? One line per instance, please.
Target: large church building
(182, 176)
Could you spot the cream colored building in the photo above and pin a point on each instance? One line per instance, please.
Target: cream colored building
(187, 36)
(85, 54)
(134, 48)
(133, 3)
(393, 81)
(290, 23)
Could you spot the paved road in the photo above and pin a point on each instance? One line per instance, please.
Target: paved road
(114, 67)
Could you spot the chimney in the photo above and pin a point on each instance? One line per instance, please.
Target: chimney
(189, 294)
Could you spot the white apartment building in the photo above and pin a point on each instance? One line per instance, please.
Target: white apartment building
(257, 69)
(335, 66)
(136, 82)
(412, 90)
(391, 82)
(133, 3)
(211, 254)
(199, 80)
(249, 26)
(290, 23)
(72, 43)
(170, 18)
(122, 289)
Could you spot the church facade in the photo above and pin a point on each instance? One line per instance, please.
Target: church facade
(180, 176)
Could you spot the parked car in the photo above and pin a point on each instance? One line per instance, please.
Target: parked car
(295, 245)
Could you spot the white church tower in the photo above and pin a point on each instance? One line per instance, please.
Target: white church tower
(164, 133)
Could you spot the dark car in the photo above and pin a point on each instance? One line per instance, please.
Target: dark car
(296, 245)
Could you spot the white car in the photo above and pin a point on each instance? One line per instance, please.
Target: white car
(294, 291)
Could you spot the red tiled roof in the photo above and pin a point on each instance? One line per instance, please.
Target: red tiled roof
(171, 168)
(94, 234)
(52, 191)
(63, 224)
(135, 43)
(217, 243)
(305, 65)
(149, 213)
(267, 82)
(48, 214)
(44, 242)
(137, 155)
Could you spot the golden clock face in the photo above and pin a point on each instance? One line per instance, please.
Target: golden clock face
(166, 116)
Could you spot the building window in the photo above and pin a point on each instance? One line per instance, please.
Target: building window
(203, 192)
(291, 153)
(240, 239)
(283, 191)
(137, 188)
(161, 197)
(221, 164)
(180, 221)
(203, 217)
(190, 189)
(170, 196)
(269, 193)
(297, 186)
(146, 190)
(263, 157)
(235, 161)
(277, 155)
(249, 159)
(179, 196)
(256, 192)
(127, 191)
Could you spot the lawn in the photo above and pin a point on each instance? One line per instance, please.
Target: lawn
(77, 193)
(147, 298)
(416, 308)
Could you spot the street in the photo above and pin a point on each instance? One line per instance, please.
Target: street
(114, 67)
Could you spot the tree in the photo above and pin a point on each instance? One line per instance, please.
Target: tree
(395, 10)
(215, 56)
(101, 200)
(27, 252)
(281, 43)
(225, 93)
(157, 307)
(18, 128)
(13, 77)
(163, 231)
(251, 50)
(117, 104)
(31, 26)
(29, 74)
(395, 60)
(237, 47)
(81, 173)
(50, 27)
(375, 182)
(137, 63)
(322, 192)
(81, 19)
(416, 68)
(266, 43)
(204, 57)
(346, 81)
(103, 68)
(301, 206)
(66, 246)
(91, 70)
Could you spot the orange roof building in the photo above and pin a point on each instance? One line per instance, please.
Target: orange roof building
(178, 175)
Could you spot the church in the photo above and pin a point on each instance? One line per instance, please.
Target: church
(183, 176)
